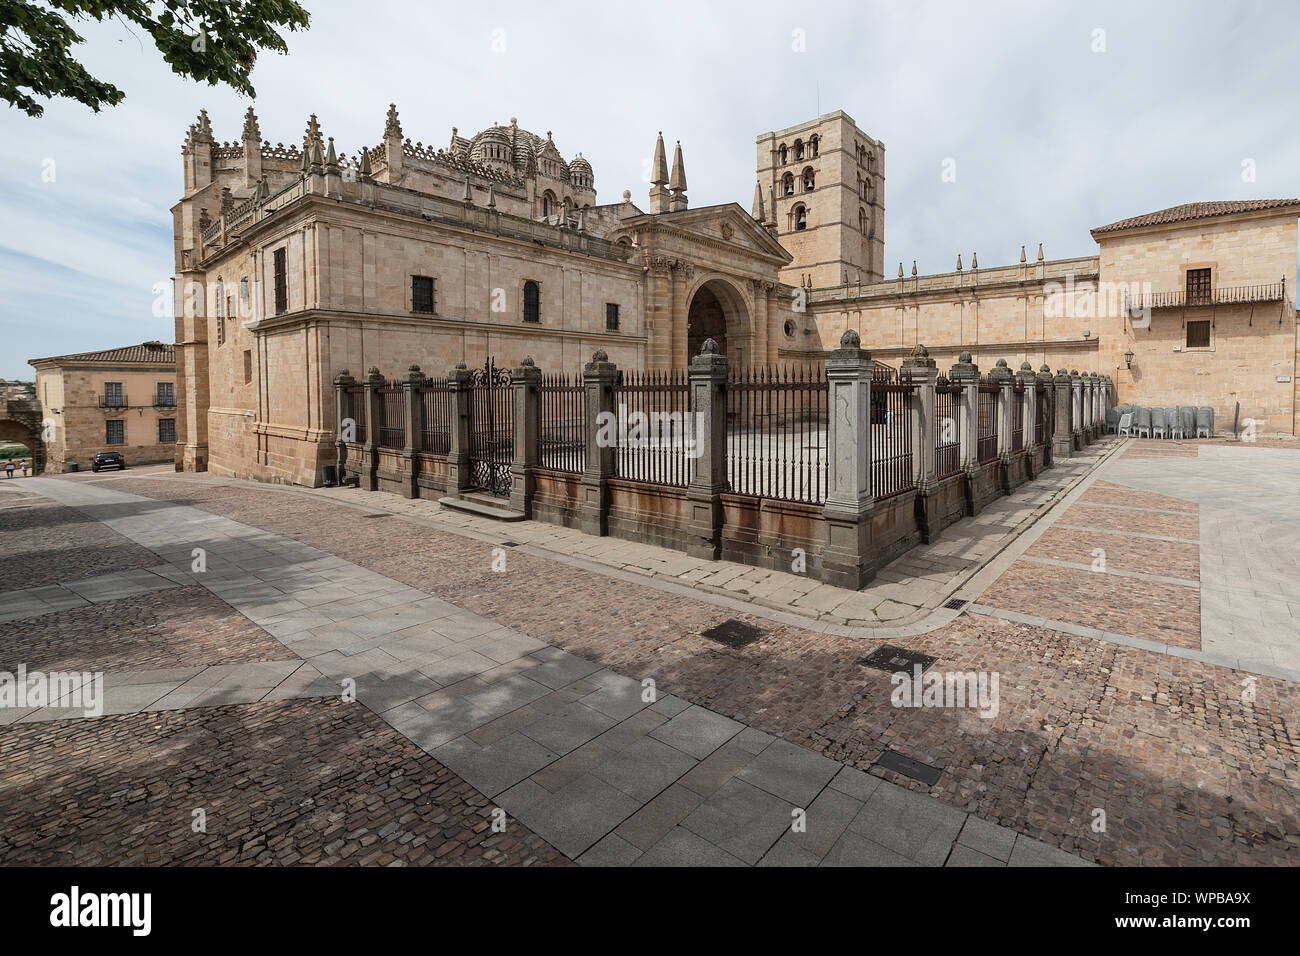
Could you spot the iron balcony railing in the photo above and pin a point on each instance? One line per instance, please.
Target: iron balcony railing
(113, 401)
(164, 401)
(1221, 295)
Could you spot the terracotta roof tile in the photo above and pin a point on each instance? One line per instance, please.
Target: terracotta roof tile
(1194, 210)
(148, 353)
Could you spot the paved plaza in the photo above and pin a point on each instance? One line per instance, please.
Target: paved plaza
(620, 704)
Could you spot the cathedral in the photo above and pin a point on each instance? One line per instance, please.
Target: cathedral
(296, 262)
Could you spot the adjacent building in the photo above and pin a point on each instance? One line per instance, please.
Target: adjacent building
(121, 399)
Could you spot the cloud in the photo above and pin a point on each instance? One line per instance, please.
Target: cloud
(1050, 138)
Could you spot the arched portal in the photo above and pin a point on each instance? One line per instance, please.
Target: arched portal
(717, 312)
(20, 421)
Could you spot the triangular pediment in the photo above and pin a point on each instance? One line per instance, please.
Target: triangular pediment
(727, 223)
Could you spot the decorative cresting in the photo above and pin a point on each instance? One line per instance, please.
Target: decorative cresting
(491, 429)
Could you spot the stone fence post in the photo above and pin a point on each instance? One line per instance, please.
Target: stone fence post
(411, 383)
(1063, 421)
(458, 400)
(1098, 409)
(919, 371)
(1086, 409)
(524, 382)
(1049, 411)
(967, 374)
(1002, 378)
(599, 377)
(370, 452)
(341, 382)
(1027, 411)
(848, 560)
(1076, 410)
(707, 434)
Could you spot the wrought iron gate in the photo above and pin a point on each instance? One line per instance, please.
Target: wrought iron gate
(491, 429)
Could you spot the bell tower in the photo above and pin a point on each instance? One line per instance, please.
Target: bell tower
(825, 181)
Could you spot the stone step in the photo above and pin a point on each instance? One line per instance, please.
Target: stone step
(481, 508)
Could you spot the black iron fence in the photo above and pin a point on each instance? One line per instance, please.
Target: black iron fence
(562, 423)
(892, 468)
(987, 423)
(947, 445)
(435, 430)
(392, 416)
(491, 429)
(654, 428)
(354, 408)
(776, 433)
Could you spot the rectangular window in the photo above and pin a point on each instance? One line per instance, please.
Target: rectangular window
(113, 396)
(243, 292)
(1198, 335)
(166, 431)
(166, 394)
(532, 301)
(248, 367)
(115, 432)
(422, 294)
(1198, 286)
(281, 283)
(611, 316)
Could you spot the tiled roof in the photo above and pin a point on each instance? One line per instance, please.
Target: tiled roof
(146, 353)
(1195, 210)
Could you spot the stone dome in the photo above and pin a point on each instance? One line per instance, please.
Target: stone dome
(580, 172)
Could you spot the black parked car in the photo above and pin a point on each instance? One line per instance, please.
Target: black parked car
(108, 459)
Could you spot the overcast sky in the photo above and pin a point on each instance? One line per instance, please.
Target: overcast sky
(1049, 138)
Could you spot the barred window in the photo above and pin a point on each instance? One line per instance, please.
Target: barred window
(281, 282)
(611, 316)
(166, 393)
(421, 294)
(1198, 286)
(1198, 335)
(532, 302)
(113, 395)
(115, 432)
(166, 430)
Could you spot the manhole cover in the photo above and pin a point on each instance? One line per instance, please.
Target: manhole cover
(956, 604)
(908, 767)
(381, 514)
(733, 633)
(893, 659)
(509, 544)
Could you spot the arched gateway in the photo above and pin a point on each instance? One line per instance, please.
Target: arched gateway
(717, 311)
(20, 421)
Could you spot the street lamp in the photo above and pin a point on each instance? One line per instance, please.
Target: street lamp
(1128, 358)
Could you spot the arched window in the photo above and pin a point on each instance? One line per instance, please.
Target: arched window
(532, 302)
(862, 221)
(800, 217)
(809, 180)
(813, 143)
(548, 203)
(785, 154)
(798, 149)
(787, 184)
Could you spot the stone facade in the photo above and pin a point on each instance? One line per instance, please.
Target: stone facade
(297, 263)
(122, 400)
(821, 186)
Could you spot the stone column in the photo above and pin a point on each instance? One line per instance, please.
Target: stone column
(1006, 383)
(1028, 407)
(411, 383)
(707, 379)
(598, 379)
(458, 448)
(1107, 397)
(919, 371)
(967, 374)
(1063, 419)
(1076, 410)
(341, 382)
(1049, 409)
(1085, 408)
(849, 561)
(370, 451)
(524, 382)
(1098, 408)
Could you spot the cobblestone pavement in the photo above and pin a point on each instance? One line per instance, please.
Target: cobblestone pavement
(307, 782)
(1187, 770)
(577, 754)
